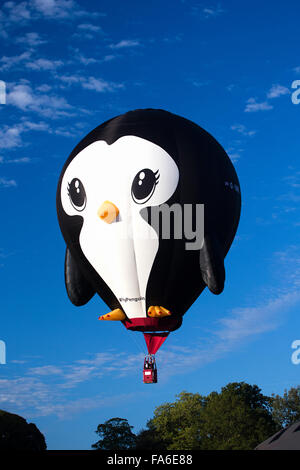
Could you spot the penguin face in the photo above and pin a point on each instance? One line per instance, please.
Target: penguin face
(108, 186)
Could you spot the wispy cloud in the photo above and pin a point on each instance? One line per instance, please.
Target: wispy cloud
(292, 182)
(251, 321)
(45, 397)
(15, 160)
(92, 28)
(125, 43)
(54, 8)
(277, 90)
(7, 183)
(11, 136)
(198, 83)
(241, 129)
(31, 39)
(25, 98)
(91, 83)
(14, 14)
(207, 11)
(211, 12)
(16, 11)
(47, 9)
(253, 106)
(44, 64)
(7, 63)
(234, 155)
(45, 389)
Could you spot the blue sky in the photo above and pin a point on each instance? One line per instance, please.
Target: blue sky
(68, 66)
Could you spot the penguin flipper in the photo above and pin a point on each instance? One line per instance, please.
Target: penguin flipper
(79, 289)
(212, 265)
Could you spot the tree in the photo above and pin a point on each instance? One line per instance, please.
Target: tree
(286, 409)
(17, 434)
(237, 418)
(177, 424)
(116, 434)
(148, 439)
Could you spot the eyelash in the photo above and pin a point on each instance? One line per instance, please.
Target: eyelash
(156, 177)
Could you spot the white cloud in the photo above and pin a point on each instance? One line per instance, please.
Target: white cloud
(109, 57)
(7, 183)
(253, 106)
(45, 370)
(17, 11)
(53, 8)
(210, 12)
(45, 389)
(125, 43)
(277, 90)
(198, 83)
(91, 83)
(90, 27)
(99, 85)
(234, 156)
(23, 97)
(15, 160)
(234, 152)
(230, 87)
(241, 129)
(44, 88)
(14, 13)
(293, 182)
(44, 64)
(86, 60)
(7, 62)
(207, 12)
(11, 136)
(251, 321)
(31, 39)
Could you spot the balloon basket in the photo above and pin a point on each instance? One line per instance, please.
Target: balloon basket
(150, 370)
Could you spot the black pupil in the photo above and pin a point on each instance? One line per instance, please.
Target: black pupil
(143, 184)
(77, 192)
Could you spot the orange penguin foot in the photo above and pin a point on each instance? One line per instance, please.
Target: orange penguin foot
(158, 312)
(114, 315)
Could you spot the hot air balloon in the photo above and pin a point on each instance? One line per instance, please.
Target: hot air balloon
(148, 204)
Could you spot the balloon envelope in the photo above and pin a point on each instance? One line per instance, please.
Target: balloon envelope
(124, 176)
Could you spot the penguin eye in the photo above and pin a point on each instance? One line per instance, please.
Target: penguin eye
(143, 185)
(77, 194)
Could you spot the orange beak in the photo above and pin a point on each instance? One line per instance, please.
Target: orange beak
(108, 212)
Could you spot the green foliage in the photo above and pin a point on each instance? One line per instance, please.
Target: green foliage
(177, 424)
(116, 434)
(239, 417)
(148, 439)
(286, 409)
(17, 434)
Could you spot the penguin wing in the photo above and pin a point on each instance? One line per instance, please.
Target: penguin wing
(212, 265)
(78, 287)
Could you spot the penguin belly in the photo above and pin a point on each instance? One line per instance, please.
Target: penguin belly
(123, 258)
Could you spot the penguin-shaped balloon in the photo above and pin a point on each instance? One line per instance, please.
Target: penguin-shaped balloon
(114, 184)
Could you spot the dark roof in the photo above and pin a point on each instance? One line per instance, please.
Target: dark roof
(286, 439)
